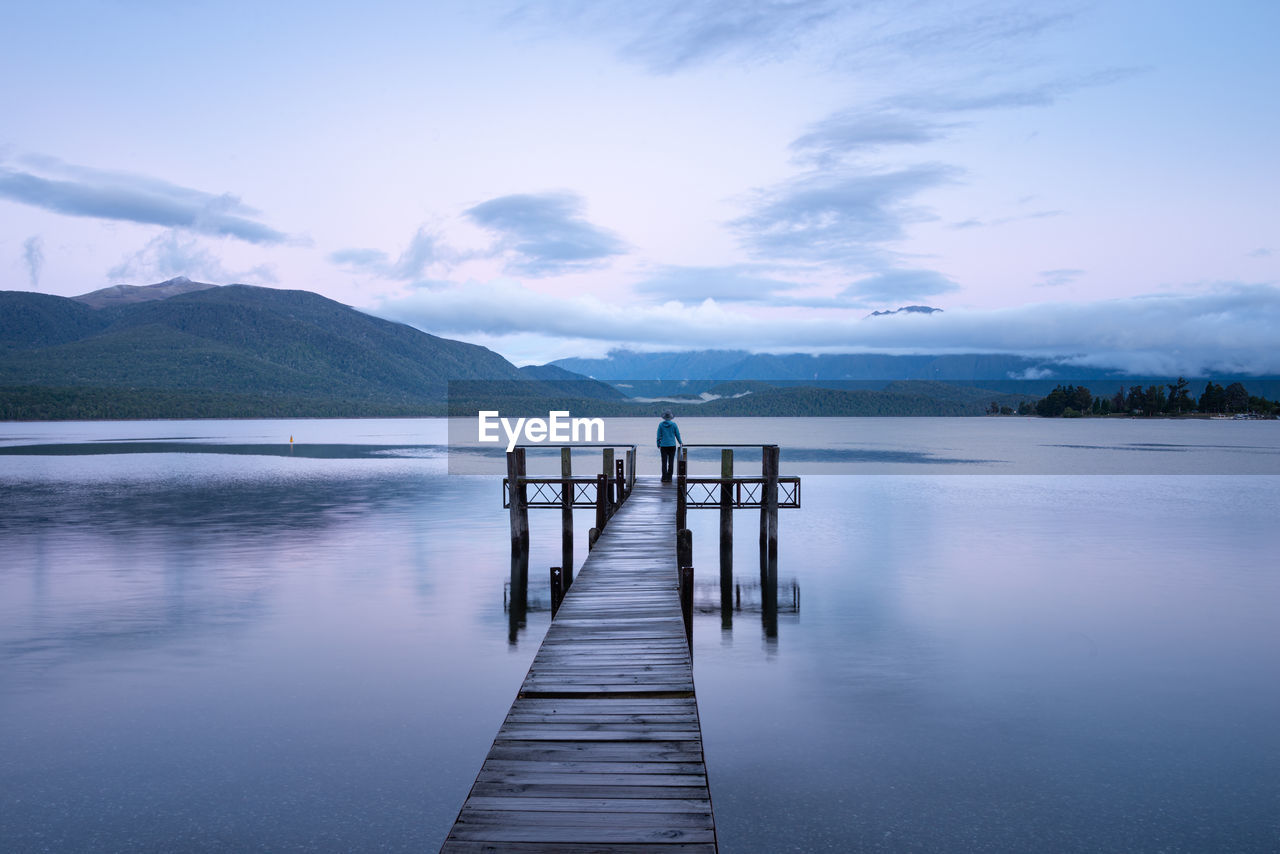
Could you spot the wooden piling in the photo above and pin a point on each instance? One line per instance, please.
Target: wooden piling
(602, 507)
(519, 506)
(607, 469)
(557, 589)
(518, 603)
(726, 600)
(684, 547)
(566, 514)
(686, 603)
(682, 506)
(769, 502)
(769, 595)
(726, 507)
(726, 539)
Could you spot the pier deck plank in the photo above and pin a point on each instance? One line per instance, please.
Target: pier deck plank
(602, 749)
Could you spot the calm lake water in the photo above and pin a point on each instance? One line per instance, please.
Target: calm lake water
(996, 635)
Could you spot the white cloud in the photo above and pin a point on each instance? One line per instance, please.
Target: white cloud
(173, 253)
(33, 256)
(666, 36)
(545, 234)
(736, 283)
(423, 250)
(899, 285)
(72, 190)
(1232, 328)
(1056, 278)
(843, 216)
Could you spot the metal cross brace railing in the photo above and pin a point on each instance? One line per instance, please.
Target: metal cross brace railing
(548, 491)
(745, 492)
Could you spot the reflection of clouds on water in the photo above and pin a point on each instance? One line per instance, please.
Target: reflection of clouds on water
(870, 455)
(216, 507)
(155, 439)
(157, 613)
(848, 455)
(1172, 448)
(122, 567)
(105, 570)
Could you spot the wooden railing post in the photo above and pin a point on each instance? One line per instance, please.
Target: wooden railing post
(620, 482)
(566, 514)
(519, 504)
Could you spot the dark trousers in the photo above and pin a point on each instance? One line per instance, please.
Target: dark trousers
(668, 462)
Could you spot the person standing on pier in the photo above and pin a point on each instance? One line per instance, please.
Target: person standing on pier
(668, 440)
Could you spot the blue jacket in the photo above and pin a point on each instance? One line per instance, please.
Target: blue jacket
(668, 434)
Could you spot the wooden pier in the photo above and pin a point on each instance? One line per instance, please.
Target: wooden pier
(602, 749)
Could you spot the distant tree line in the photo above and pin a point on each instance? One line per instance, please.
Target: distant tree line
(44, 403)
(1071, 401)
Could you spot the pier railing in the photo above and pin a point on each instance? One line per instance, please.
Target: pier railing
(744, 493)
(608, 456)
(606, 490)
(550, 491)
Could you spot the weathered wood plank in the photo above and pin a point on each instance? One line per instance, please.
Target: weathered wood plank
(616, 818)
(576, 790)
(469, 847)
(617, 751)
(606, 805)
(601, 766)
(513, 830)
(581, 778)
(669, 718)
(586, 706)
(602, 723)
(570, 734)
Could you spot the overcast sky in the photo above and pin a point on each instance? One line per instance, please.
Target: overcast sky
(1097, 181)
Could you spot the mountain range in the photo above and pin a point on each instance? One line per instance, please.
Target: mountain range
(695, 372)
(187, 349)
(626, 365)
(191, 349)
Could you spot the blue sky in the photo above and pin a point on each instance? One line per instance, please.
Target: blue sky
(1096, 181)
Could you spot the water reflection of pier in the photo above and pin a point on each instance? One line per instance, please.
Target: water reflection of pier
(745, 596)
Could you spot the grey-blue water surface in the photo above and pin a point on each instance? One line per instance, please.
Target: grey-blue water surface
(213, 643)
